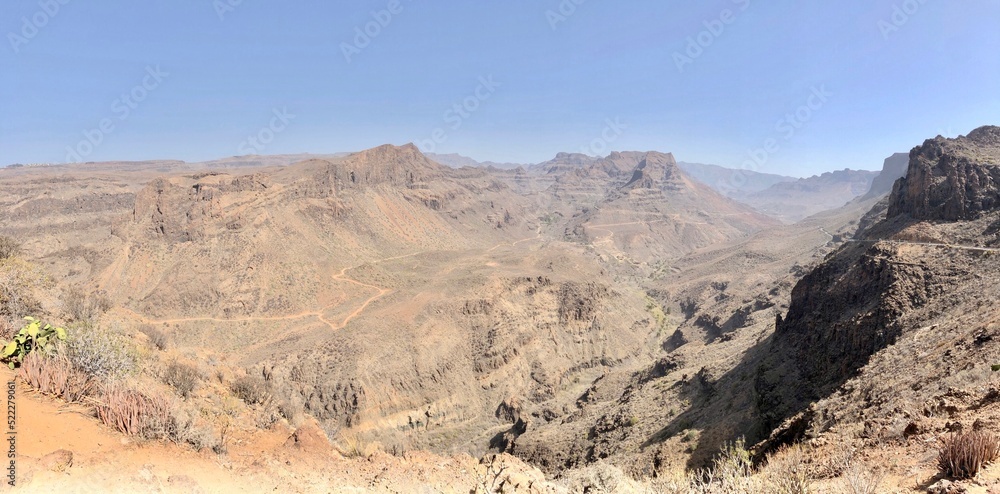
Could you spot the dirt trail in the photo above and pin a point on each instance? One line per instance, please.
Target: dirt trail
(924, 244)
(538, 234)
(341, 276)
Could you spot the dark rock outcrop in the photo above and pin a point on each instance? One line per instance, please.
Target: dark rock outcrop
(951, 179)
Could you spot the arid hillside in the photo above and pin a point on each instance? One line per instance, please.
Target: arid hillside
(412, 303)
(609, 314)
(867, 359)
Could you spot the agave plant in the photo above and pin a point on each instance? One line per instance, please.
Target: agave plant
(34, 336)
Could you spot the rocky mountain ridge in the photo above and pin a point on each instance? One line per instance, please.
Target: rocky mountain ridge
(951, 179)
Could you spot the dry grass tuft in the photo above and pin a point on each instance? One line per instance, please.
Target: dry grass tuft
(963, 455)
(83, 307)
(353, 445)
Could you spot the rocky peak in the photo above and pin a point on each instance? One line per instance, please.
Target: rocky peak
(389, 162)
(951, 179)
(402, 166)
(654, 170)
(565, 163)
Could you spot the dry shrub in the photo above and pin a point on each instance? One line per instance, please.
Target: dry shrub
(55, 375)
(193, 428)
(265, 415)
(598, 477)
(135, 412)
(101, 352)
(292, 408)
(83, 307)
(352, 445)
(18, 281)
(787, 471)
(861, 478)
(835, 460)
(252, 390)
(9, 247)
(182, 377)
(732, 473)
(963, 455)
(156, 336)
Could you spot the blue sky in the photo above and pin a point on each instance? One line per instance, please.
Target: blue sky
(203, 79)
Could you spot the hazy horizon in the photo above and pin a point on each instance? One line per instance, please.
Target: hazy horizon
(783, 88)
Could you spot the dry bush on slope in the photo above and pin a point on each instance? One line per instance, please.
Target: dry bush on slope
(963, 455)
(787, 471)
(859, 478)
(55, 375)
(9, 247)
(252, 390)
(157, 338)
(18, 281)
(135, 412)
(81, 307)
(732, 473)
(100, 352)
(183, 377)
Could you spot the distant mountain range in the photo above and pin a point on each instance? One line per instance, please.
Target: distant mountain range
(732, 182)
(455, 160)
(792, 199)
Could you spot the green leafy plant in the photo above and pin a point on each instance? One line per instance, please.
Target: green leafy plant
(32, 337)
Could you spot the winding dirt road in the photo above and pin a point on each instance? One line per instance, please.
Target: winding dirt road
(319, 314)
(341, 276)
(925, 244)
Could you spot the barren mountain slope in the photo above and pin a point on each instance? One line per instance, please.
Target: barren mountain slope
(888, 342)
(420, 305)
(423, 307)
(660, 213)
(716, 303)
(886, 345)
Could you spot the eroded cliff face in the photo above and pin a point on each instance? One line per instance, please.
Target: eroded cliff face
(471, 372)
(951, 179)
(880, 286)
(841, 313)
